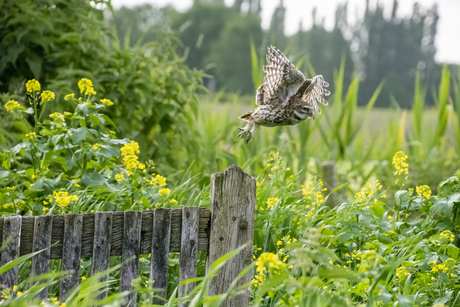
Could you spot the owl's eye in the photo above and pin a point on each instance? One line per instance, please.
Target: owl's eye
(306, 108)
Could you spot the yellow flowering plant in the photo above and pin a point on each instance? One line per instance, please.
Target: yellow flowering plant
(65, 159)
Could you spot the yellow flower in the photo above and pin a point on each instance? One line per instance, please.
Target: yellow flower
(12, 105)
(47, 96)
(424, 191)
(32, 85)
(390, 217)
(83, 278)
(86, 87)
(130, 159)
(31, 136)
(384, 196)
(62, 305)
(164, 191)
(96, 146)
(400, 164)
(447, 235)
(158, 181)
(69, 97)
(120, 176)
(279, 243)
(107, 102)
(57, 115)
(270, 261)
(271, 202)
(173, 201)
(63, 198)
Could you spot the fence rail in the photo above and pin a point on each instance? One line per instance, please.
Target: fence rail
(131, 233)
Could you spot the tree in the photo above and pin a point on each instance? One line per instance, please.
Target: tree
(277, 36)
(198, 28)
(323, 50)
(232, 53)
(140, 24)
(393, 49)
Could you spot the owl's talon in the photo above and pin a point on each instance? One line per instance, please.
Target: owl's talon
(250, 135)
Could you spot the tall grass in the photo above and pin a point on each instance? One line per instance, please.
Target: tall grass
(361, 139)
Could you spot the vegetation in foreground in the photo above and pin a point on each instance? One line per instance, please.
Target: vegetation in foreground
(366, 251)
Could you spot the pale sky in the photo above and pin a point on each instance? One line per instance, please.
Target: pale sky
(447, 38)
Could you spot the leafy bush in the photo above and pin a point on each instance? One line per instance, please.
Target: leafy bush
(60, 42)
(73, 162)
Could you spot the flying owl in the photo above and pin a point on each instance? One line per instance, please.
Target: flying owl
(285, 97)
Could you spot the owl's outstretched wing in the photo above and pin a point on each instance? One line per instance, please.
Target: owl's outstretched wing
(282, 79)
(313, 92)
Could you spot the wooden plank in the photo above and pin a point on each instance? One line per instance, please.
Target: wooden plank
(130, 254)
(71, 254)
(12, 232)
(27, 231)
(233, 195)
(43, 227)
(101, 247)
(146, 231)
(189, 249)
(160, 252)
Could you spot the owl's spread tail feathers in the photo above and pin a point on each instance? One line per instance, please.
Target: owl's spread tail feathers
(247, 116)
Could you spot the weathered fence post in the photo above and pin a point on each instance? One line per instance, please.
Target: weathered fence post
(71, 254)
(329, 179)
(131, 248)
(43, 228)
(160, 252)
(189, 249)
(233, 195)
(11, 230)
(101, 246)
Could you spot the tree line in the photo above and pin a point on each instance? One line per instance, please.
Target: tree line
(217, 39)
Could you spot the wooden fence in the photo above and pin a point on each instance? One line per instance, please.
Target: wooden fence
(129, 234)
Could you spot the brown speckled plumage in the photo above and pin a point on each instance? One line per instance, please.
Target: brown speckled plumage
(285, 97)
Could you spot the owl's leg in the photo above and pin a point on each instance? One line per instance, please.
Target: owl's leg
(251, 133)
(245, 129)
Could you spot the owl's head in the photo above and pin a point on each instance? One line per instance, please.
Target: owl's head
(303, 111)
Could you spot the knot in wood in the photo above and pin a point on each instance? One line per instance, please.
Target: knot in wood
(243, 224)
(234, 218)
(187, 214)
(221, 238)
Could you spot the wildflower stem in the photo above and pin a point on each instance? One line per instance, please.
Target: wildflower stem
(407, 209)
(33, 155)
(42, 111)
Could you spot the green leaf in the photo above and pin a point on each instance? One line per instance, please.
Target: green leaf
(442, 207)
(94, 178)
(337, 272)
(79, 134)
(83, 107)
(35, 64)
(453, 251)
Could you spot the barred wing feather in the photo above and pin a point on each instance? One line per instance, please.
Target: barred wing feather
(313, 93)
(282, 79)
